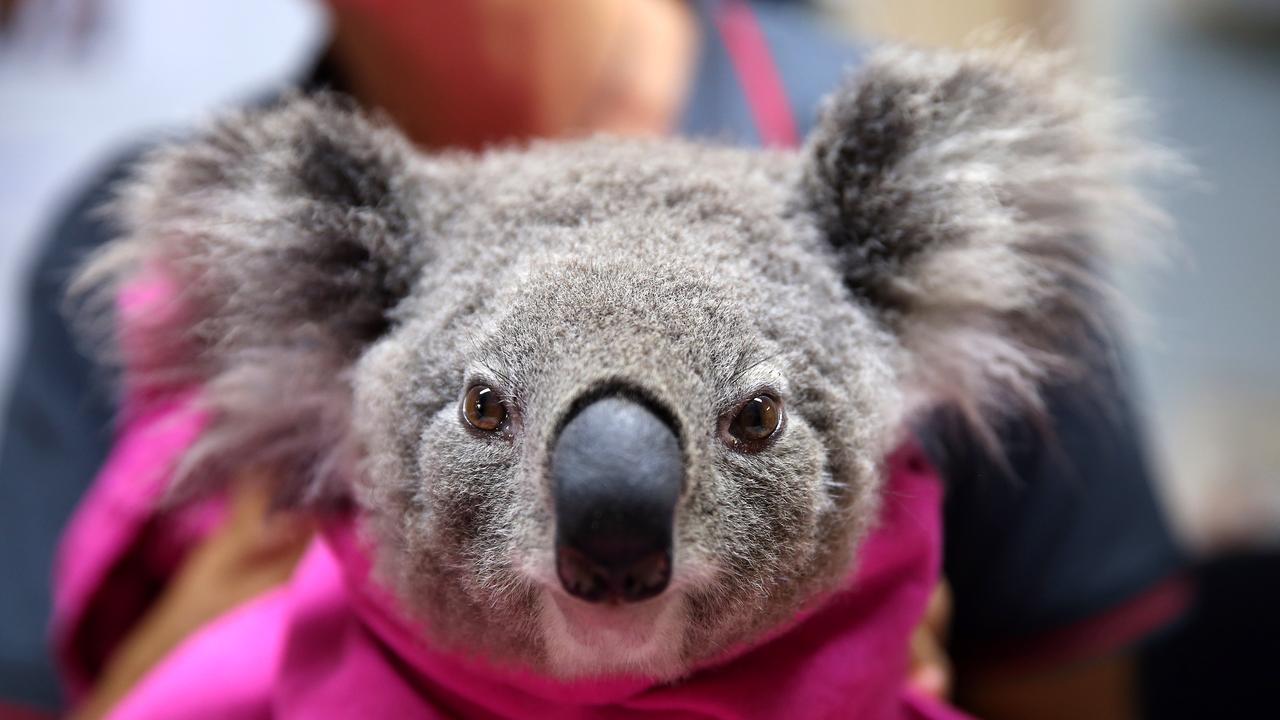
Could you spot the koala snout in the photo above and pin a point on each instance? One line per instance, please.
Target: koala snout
(617, 471)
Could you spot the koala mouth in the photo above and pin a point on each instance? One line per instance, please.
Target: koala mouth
(601, 625)
(593, 639)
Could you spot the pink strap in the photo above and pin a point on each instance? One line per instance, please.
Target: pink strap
(757, 73)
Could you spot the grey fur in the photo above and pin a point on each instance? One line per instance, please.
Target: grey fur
(340, 292)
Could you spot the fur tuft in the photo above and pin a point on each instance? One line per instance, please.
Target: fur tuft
(269, 251)
(974, 200)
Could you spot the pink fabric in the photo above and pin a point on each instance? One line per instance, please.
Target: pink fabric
(118, 550)
(332, 643)
(103, 565)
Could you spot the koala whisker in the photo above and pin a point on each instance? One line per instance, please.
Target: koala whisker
(741, 370)
(502, 376)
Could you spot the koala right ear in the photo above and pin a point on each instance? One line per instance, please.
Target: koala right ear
(972, 201)
(285, 237)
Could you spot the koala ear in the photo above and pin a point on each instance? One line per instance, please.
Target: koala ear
(283, 239)
(971, 199)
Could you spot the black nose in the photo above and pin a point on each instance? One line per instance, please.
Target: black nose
(616, 472)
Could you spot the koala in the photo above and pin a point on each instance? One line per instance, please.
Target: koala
(613, 406)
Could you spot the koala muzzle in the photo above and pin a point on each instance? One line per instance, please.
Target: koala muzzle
(616, 471)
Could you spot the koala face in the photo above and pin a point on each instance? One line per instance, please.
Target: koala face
(630, 422)
(612, 407)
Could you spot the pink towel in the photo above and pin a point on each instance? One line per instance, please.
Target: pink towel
(332, 643)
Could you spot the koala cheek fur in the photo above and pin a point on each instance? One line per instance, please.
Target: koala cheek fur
(938, 241)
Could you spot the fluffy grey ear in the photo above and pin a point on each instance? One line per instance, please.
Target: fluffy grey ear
(280, 240)
(971, 199)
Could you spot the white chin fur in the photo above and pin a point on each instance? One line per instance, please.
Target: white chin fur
(592, 640)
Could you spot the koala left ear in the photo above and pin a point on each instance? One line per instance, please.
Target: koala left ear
(284, 238)
(970, 198)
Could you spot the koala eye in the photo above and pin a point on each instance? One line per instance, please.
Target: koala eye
(756, 421)
(483, 409)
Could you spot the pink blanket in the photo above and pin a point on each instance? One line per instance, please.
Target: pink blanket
(331, 643)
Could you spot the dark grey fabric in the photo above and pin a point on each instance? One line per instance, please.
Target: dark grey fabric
(57, 433)
(1066, 528)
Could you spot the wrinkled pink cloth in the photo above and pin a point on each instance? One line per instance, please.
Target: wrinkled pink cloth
(331, 643)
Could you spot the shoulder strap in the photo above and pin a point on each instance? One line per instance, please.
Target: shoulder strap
(757, 73)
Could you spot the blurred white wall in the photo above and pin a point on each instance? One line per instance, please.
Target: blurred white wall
(68, 99)
(1210, 359)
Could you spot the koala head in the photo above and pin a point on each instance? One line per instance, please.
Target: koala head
(609, 407)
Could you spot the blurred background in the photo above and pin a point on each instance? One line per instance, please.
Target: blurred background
(79, 79)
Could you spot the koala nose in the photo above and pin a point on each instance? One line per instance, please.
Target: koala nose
(616, 472)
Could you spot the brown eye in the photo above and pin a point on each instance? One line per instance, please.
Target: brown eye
(756, 422)
(483, 409)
